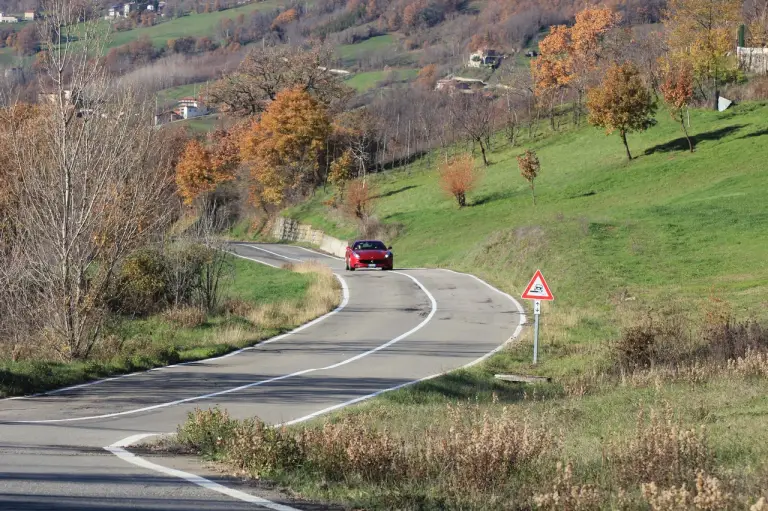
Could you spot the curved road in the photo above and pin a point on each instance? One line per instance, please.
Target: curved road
(63, 450)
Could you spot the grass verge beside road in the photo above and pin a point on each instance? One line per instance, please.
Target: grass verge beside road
(259, 302)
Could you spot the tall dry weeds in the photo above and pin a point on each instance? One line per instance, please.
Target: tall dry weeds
(567, 495)
(661, 451)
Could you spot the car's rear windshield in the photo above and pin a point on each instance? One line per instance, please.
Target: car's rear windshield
(369, 245)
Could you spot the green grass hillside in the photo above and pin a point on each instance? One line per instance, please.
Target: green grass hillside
(614, 239)
(669, 226)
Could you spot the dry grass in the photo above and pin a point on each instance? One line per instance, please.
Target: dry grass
(321, 297)
(662, 451)
(185, 316)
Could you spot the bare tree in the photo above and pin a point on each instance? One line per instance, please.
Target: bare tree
(472, 114)
(92, 184)
(266, 71)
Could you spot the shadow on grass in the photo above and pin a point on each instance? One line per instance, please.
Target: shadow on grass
(681, 144)
(395, 192)
(492, 197)
(474, 386)
(755, 134)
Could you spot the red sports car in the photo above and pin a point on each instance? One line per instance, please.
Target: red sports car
(368, 254)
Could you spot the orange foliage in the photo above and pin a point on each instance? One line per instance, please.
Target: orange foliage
(427, 76)
(283, 149)
(198, 172)
(622, 103)
(459, 177)
(529, 165)
(567, 54)
(285, 18)
(677, 90)
(359, 202)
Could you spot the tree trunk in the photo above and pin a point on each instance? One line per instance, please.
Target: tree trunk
(461, 198)
(626, 145)
(717, 91)
(533, 193)
(482, 150)
(685, 131)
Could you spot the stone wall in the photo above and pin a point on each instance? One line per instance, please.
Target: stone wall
(753, 60)
(286, 229)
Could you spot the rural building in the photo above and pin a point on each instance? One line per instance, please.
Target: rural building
(166, 117)
(452, 84)
(190, 107)
(485, 57)
(753, 60)
(29, 15)
(8, 19)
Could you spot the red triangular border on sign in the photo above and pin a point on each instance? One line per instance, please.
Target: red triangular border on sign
(526, 294)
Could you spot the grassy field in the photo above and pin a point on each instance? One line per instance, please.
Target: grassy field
(195, 25)
(267, 301)
(677, 235)
(351, 53)
(363, 82)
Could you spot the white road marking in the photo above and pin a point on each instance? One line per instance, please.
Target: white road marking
(258, 383)
(275, 253)
(344, 302)
(118, 449)
(319, 253)
(255, 260)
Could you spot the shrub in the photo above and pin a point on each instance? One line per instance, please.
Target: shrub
(657, 339)
(458, 177)
(259, 449)
(205, 431)
(360, 200)
(141, 284)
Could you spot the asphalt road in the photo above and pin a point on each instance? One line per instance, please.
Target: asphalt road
(394, 328)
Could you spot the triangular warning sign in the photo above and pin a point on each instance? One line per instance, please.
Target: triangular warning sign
(537, 288)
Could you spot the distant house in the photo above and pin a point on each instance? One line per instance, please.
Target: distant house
(531, 53)
(485, 57)
(29, 15)
(114, 11)
(150, 7)
(189, 108)
(8, 19)
(52, 97)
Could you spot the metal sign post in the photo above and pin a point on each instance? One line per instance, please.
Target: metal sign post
(537, 290)
(536, 311)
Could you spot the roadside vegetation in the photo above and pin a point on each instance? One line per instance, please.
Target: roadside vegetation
(642, 205)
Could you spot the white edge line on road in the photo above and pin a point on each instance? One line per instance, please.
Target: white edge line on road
(344, 302)
(158, 406)
(118, 449)
(319, 253)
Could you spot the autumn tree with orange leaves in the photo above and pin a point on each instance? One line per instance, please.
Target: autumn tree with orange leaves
(284, 149)
(569, 56)
(530, 167)
(458, 177)
(677, 90)
(201, 170)
(621, 103)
